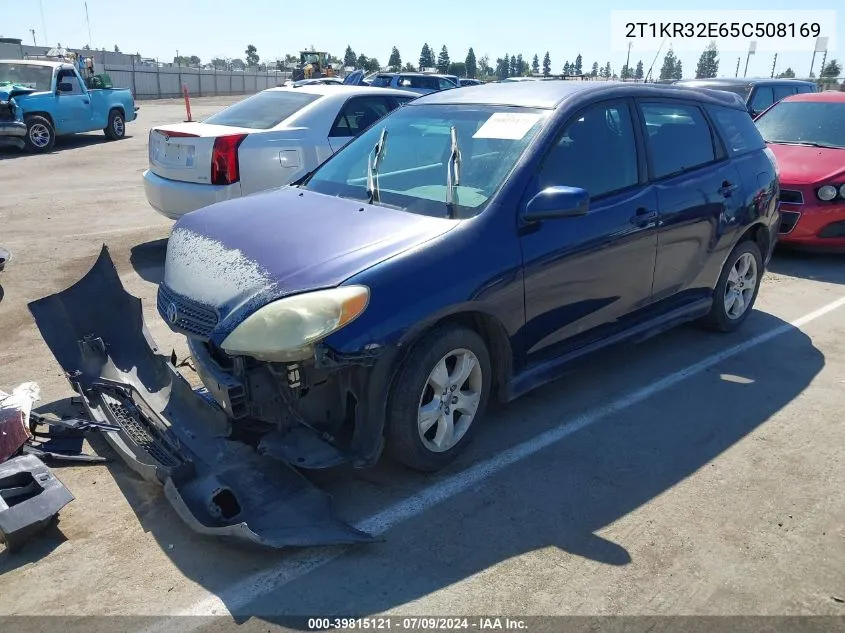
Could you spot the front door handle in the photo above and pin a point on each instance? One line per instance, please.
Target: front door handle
(727, 189)
(644, 217)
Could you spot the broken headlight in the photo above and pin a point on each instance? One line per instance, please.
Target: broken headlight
(285, 330)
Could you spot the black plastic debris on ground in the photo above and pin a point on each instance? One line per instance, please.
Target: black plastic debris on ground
(62, 440)
(30, 498)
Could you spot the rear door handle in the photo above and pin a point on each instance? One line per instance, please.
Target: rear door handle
(727, 189)
(644, 217)
(85, 101)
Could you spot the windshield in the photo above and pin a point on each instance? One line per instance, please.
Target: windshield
(804, 122)
(412, 172)
(262, 111)
(30, 75)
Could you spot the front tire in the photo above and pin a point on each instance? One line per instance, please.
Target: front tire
(438, 397)
(116, 128)
(40, 135)
(737, 288)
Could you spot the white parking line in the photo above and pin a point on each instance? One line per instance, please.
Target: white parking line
(240, 594)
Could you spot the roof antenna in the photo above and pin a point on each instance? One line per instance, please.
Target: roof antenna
(648, 74)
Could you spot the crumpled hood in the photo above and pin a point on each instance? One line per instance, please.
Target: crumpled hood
(807, 165)
(238, 255)
(10, 90)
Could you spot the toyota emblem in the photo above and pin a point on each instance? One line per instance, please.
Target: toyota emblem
(172, 313)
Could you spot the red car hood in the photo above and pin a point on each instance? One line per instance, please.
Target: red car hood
(806, 165)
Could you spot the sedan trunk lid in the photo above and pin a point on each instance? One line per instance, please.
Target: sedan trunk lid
(184, 151)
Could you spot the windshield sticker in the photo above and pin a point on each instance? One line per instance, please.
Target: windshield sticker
(507, 125)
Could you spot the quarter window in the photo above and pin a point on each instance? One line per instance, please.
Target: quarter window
(597, 152)
(737, 129)
(678, 138)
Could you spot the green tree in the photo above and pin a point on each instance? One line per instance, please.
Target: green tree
(505, 70)
(547, 65)
(678, 73)
(373, 65)
(251, 56)
(595, 71)
(116, 49)
(459, 69)
(470, 64)
(787, 74)
(395, 61)
(219, 63)
(443, 60)
(667, 71)
(638, 73)
(608, 73)
(577, 69)
(513, 70)
(708, 63)
(520, 66)
(535, 65)
(625, 73)
(426, 57)
(484, 66)
(408, 68)
(349, 57)
(831, 69)
(362, 61)
(566, 68)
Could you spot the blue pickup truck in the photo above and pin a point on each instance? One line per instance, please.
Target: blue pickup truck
(52, 99)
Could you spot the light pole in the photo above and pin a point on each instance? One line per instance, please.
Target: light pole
(43, 22)
(752, 48)
(628, 62)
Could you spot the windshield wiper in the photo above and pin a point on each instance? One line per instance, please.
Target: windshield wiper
(373, 163)
(806, 143)
(453, 173)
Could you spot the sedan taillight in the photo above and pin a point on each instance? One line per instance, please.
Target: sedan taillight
(224, 159)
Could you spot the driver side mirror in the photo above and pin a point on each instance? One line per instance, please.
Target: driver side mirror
(557, 202)
(64, 87)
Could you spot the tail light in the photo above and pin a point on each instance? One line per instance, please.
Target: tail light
(224, 159)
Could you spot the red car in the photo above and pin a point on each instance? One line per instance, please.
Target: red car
(806, 132)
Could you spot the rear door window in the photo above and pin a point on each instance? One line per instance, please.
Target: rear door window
(679, 138)
(381, 81)
(358, 114)
(737, 129)
(781, 92)
(763, 97)
(265, 110)
(444, 84)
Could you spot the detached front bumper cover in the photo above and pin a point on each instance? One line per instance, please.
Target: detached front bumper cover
(170, 433)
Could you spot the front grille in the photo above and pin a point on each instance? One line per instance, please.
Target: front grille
(186, 315)
(7, 111)
(788, 220)
(834, 229)
(131, 420)
(791, 197)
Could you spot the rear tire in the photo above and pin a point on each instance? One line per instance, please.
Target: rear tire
(116, 128)
(737, 288)
(40, 135)
(438, 398)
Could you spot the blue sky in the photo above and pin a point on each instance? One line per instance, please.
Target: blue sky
(222, 28)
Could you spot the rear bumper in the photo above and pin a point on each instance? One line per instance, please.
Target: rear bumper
(13, 128)
(173, 198)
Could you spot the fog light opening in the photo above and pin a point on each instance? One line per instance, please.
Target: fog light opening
(226, 504)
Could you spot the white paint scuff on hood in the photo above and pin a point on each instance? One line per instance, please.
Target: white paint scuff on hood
(204, 270)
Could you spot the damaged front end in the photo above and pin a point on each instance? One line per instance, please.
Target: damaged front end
(12, 126)
(211, 471)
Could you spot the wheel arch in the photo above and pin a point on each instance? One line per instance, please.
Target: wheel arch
(44, 114)
(488, 327)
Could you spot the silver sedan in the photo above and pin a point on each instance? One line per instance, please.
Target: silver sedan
(265, 141)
